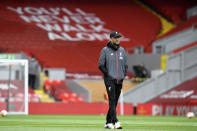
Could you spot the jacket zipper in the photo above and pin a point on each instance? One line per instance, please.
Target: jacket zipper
(117, 66)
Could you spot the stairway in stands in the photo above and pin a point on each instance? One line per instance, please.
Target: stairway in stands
(44, 97)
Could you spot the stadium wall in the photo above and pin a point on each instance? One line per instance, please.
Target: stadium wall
(75, 108)
(166, 109)
(101, 108)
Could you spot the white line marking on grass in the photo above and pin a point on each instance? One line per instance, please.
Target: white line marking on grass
(56, 121)
(79, 125)
(161, 123)
(87, 122)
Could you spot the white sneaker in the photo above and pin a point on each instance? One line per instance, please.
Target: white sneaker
(109, 126)
(117, 125)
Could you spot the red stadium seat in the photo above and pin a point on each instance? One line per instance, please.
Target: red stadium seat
(134, 22)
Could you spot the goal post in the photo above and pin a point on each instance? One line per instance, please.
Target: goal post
(14, 86)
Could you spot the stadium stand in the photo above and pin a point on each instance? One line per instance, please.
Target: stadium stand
(70, 34)
(166, 24)
(185, 93)
(180, 68)
(76, 56)
(16, 92)
(174, 10)
(182, 26)
(61, 93)
(178, 39)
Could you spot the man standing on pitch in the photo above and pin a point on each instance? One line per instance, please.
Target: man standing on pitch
(113, 65)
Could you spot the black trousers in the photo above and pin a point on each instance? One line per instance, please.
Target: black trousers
(113, 90)
(32, 80)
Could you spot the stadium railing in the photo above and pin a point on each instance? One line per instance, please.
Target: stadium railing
(175, 41)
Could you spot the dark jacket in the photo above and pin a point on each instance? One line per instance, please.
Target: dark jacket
(113, 62)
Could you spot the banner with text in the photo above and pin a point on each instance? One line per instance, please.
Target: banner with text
(65, 24)
(165, 109)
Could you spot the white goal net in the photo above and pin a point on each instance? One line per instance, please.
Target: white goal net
(14, 86)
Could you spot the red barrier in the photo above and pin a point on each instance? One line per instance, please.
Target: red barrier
(75, 108)
(166, 109)
(148, 109)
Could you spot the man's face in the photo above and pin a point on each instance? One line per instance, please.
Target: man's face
(115, 41)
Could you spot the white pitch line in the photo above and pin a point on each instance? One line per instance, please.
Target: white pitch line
(92, 122)
(48, 126)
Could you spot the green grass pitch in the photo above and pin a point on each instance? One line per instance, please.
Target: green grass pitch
(95, 123)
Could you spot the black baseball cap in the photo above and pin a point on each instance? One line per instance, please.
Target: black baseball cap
(115, 34)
